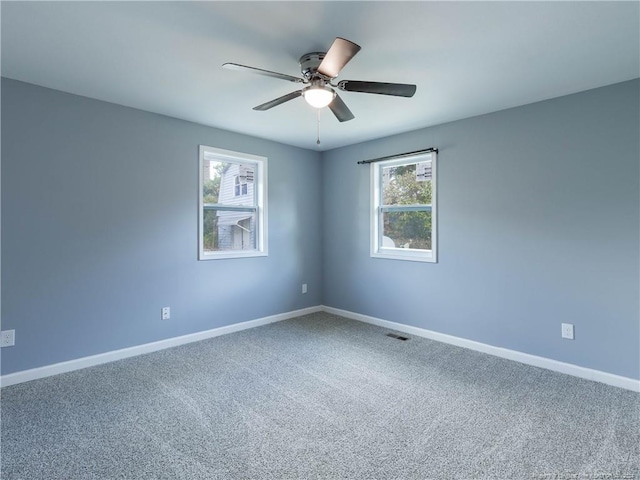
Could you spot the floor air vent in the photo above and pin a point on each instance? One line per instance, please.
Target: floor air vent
(393, 335)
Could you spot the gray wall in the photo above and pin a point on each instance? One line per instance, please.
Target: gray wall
(99, 229)
(538, 225)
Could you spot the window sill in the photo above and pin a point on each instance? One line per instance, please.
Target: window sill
(235, 254)
(405, 254)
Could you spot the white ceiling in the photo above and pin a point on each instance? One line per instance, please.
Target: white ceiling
(466, 58)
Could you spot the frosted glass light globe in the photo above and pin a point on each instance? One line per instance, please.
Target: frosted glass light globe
(318, 97)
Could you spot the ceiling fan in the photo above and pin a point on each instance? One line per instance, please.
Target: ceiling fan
(319, 70)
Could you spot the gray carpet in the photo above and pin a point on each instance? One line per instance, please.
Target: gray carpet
(318, 397)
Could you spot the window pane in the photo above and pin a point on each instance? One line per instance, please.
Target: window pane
(407, 184)
(227, 182)
(229, 230)
(407, 229)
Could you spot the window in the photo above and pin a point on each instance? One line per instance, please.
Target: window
(233, 204)
(241, 186)
(403, 213)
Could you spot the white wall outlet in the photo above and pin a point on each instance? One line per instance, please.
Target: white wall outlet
(166, 313)
(7, 338)
(567, 331)
(304, 288)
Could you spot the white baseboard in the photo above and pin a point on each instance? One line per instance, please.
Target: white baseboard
(77, 364)
(542, 362)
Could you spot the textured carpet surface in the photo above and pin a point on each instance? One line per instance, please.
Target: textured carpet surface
(318, 397)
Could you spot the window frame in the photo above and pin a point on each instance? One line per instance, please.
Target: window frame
(260, 202)
(377, 208)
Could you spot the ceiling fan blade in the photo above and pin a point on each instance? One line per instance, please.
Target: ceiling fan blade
(260, 71)
(340, 109)
(278, 101)
(337, 57)
(395, 89)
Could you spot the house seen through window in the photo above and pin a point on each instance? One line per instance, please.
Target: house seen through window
(232, 204)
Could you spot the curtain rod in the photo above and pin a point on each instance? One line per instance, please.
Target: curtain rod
(426, 150)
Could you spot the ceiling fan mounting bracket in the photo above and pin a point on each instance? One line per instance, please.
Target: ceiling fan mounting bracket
(309, 63)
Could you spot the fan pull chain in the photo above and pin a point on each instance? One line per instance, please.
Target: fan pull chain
(318, 112)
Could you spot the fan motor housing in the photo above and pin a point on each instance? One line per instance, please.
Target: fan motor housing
(309, 63)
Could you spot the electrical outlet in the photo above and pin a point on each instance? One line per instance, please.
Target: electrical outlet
(7, 338)
(304, 288)
(166, 313)
(567, 331)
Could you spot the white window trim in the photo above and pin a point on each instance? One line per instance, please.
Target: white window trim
(260, 192)
(395, 253)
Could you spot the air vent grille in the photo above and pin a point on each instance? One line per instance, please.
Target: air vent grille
(398, 337)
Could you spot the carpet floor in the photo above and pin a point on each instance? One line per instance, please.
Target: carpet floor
(318, 397)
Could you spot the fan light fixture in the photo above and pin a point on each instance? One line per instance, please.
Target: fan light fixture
(318, 97)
